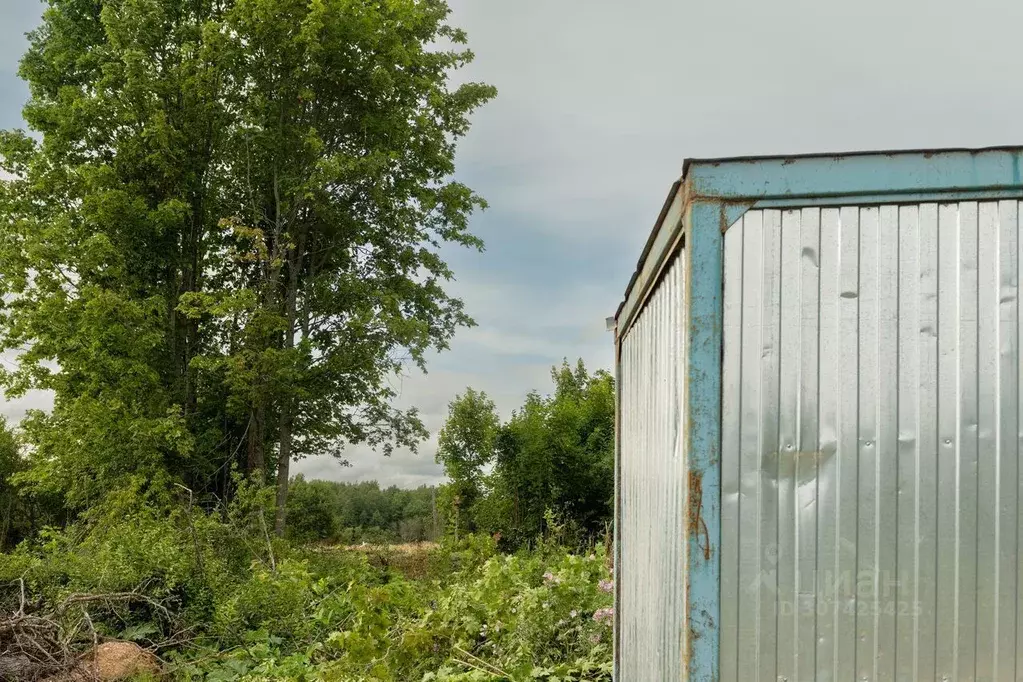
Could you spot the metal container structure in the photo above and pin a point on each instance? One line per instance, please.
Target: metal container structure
(820, 423)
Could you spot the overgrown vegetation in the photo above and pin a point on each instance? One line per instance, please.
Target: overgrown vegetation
(555, 453)
(219, 598)
(220, 240)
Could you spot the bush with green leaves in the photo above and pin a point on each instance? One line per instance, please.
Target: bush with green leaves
(529, 616)
(162, 562)
(221, 599)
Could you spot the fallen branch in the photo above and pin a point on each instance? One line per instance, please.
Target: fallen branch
(50, 642)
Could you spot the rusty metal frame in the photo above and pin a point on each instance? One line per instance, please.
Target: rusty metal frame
(705, 223)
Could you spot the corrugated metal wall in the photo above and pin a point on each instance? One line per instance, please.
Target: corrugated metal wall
(652, 537)
(871, 432)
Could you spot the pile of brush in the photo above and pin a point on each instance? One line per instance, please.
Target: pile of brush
(60, 642)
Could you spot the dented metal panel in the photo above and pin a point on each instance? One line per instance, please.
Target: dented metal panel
(870, 484)
(651, 540)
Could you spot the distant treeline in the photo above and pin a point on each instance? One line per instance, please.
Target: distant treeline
(548, 468)
(360, 512)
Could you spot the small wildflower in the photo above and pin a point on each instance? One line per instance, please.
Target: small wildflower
(600, 615)
(606, 585)
(546, 604)
(595, 638)
(573, 613)
(549, 577)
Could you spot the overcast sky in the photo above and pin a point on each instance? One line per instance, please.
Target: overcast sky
(599, 102)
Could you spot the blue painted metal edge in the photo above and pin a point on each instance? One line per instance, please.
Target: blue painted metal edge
(705, 225)
(888, 173)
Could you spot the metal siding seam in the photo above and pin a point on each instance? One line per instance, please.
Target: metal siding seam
(808, 447)
(749, 457)
(827, 528)
(769, 446)
(730, 451)
(966, 520)
(1006, 548)
(886, 450)
(678, 465)
(1017, 662)
(947, 248)
(927, 465)
(847, 491)
(789, 371)
(907, 642)
(679, 497)
(987, 441)
(866, 448)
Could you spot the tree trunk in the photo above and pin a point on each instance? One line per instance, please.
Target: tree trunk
(287, 420)
(433, 504)
(257, 458)
(283, 470)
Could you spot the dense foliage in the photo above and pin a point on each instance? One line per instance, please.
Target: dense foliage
(221, 600)
(346, 513)
(222, 236)
(555, 453)
(219, 239)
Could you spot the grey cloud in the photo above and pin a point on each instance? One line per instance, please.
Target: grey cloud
(17, 17)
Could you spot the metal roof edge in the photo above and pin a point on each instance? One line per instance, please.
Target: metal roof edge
(672, 193)
(855, 173)
(689, 161)
(876, 174)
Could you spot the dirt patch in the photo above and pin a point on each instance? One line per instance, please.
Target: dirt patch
(110, 662)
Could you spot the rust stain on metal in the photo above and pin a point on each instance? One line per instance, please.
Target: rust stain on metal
(697, 526)
(685, 646)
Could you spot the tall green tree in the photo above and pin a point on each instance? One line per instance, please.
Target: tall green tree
(466, 445)
(227, 240)
(466, 442)
(102, 233)
(555, 453)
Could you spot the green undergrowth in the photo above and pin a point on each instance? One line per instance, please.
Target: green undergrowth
(219, 600)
